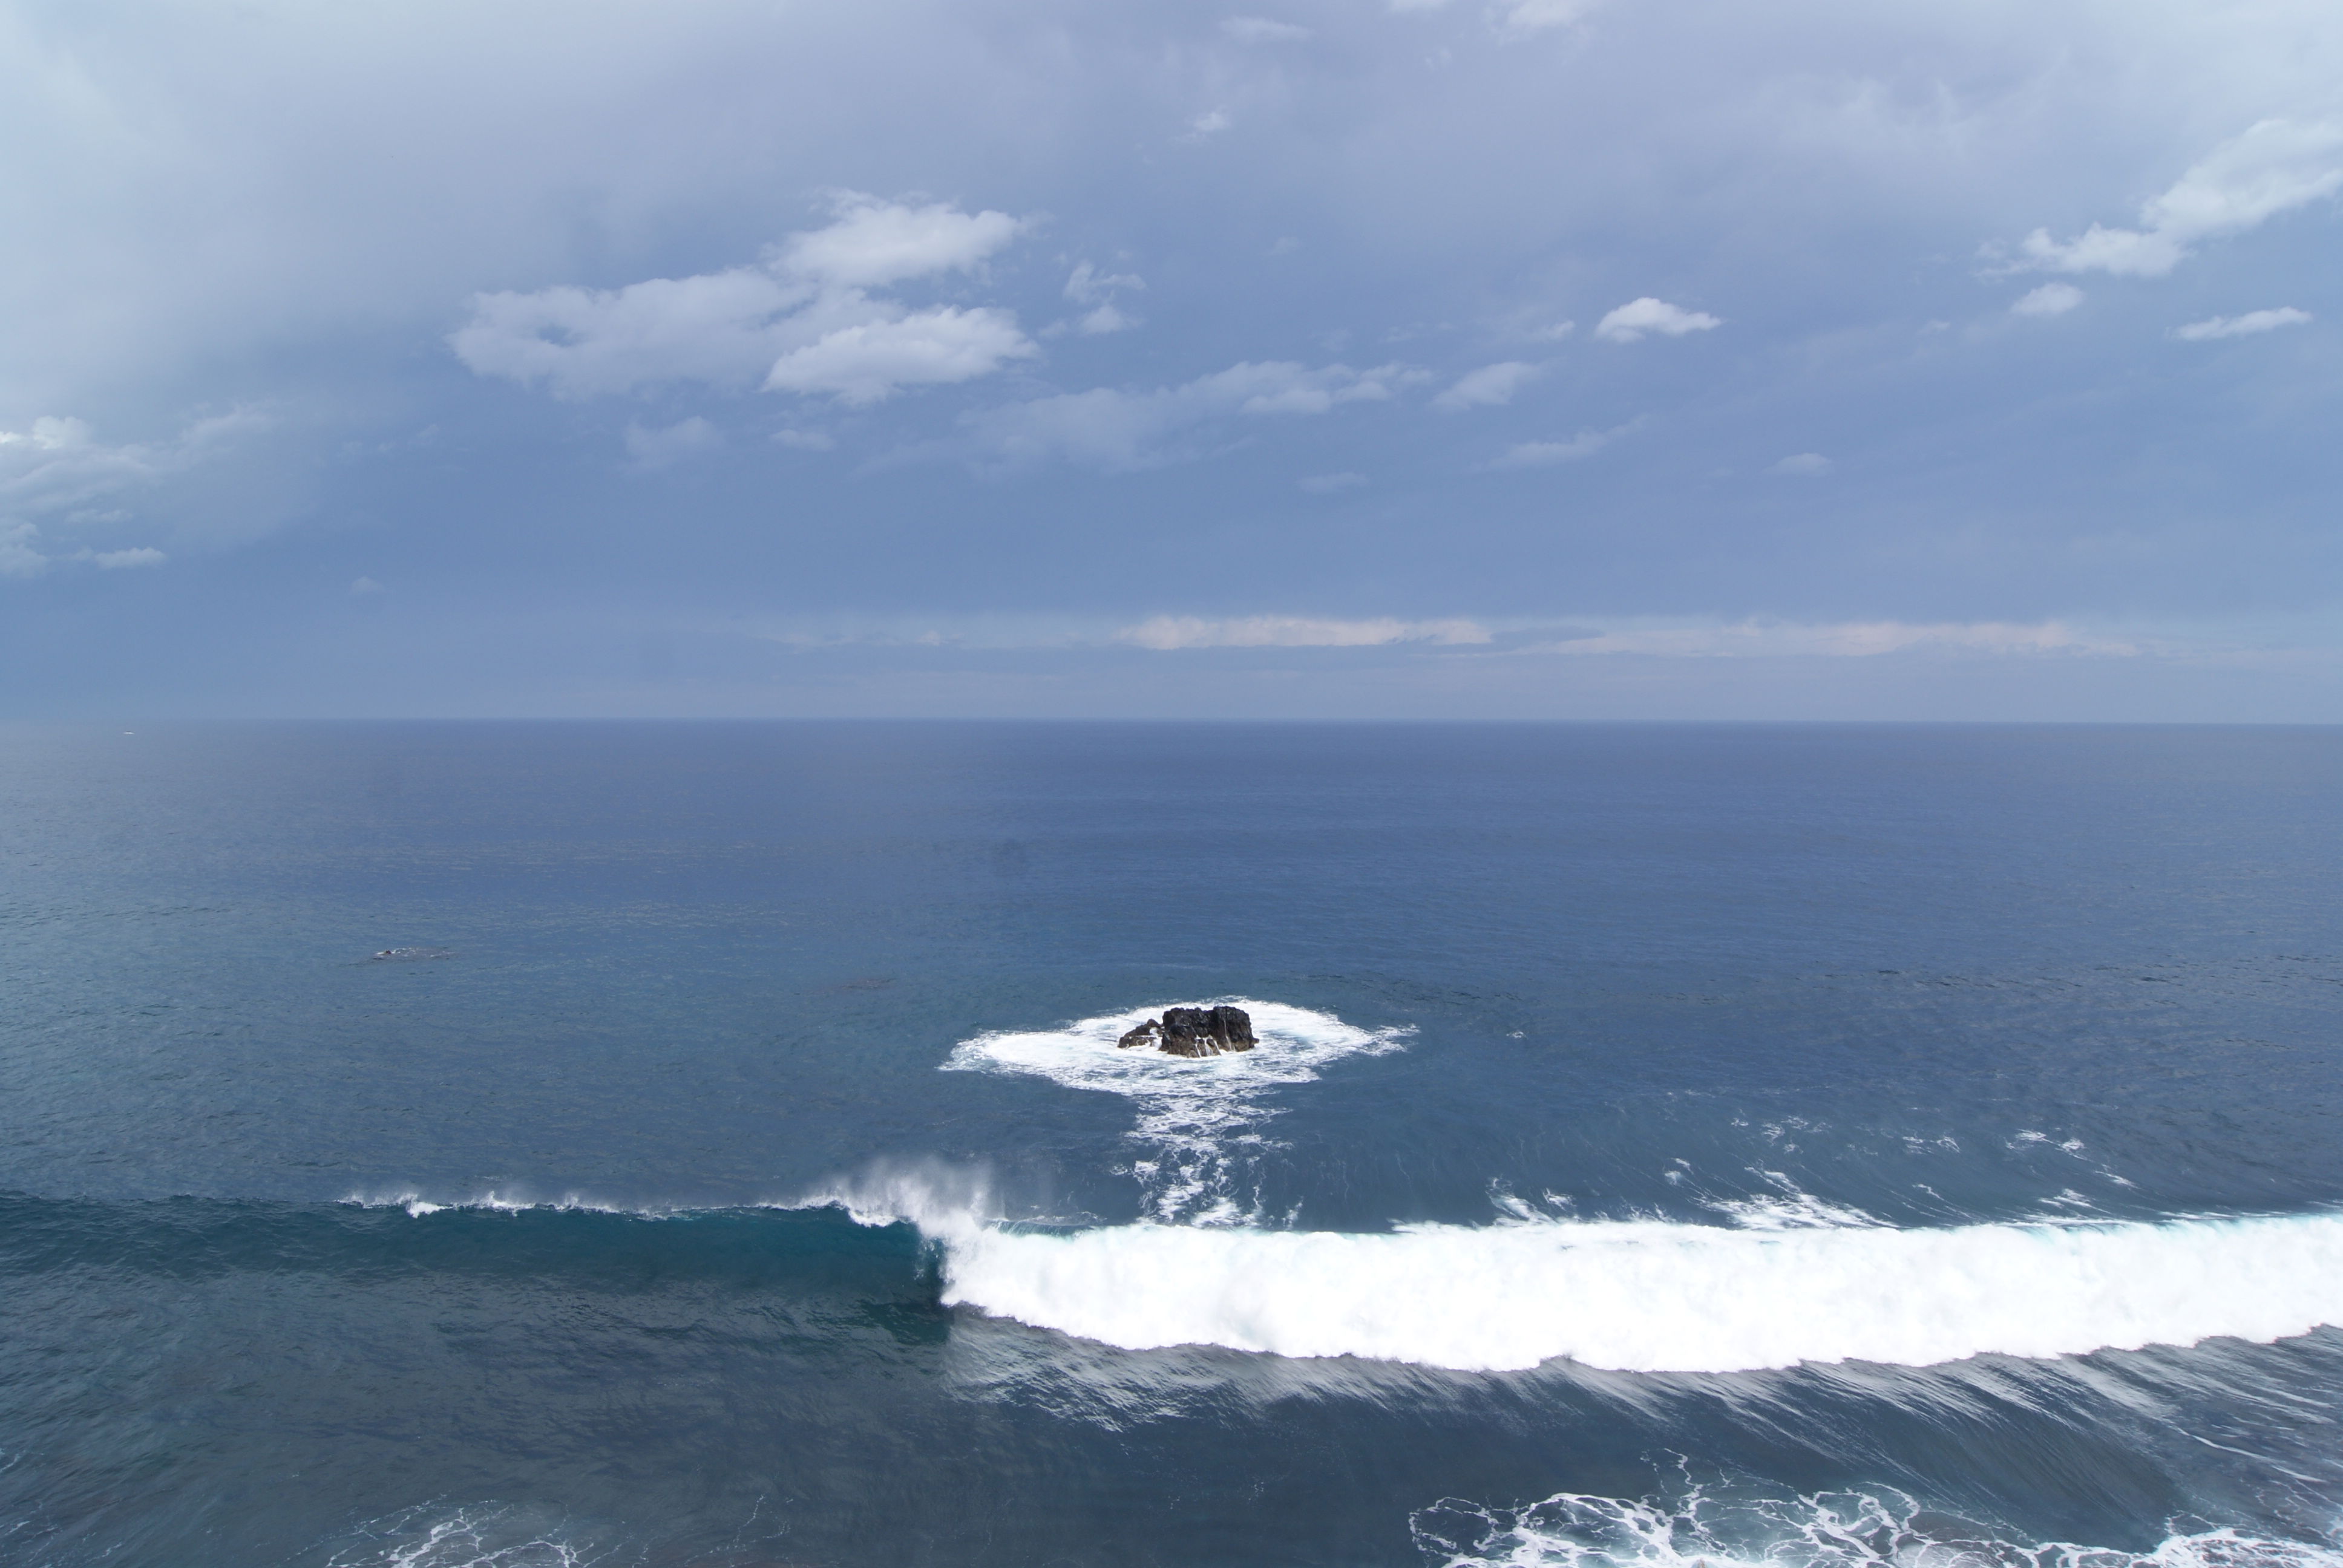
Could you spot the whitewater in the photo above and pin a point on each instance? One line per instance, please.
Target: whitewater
(1727, 1527)
(1653, 1297)
(1792, 1282)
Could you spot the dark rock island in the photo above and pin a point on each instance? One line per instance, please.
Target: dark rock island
(1194, 1032)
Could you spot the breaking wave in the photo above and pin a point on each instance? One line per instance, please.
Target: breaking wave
(1790, 1279)
(1644, 1296)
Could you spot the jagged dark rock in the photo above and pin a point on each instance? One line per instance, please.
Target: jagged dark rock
(1194, 1032)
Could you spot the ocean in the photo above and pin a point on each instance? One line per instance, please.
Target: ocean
(1669, 1146)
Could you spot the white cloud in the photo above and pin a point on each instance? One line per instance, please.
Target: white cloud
(806, 440)
(1515, 17)
(1210, 123)
(1488, 387)
(1543, 454)
(56, 467)
(2050, 299)
(1088, 286)
(718, 328)
(1524, 16)
(1632, 320)
(875, 243)
(2274, 166)
(660, 448)
(1554, 334)
(1110, 428)
(48, 434)
(1086, 283)
(19, 558)
(1332, 484)
(1846, 639)
(1281, 387)
(1103, 320)
(364, 588)
(1262, 30)
(803, 320)
(1171, 632)
(1803, 466)
(2245, 326)
(867, 362)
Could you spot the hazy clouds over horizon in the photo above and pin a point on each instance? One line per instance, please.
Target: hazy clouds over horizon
(1542, 358)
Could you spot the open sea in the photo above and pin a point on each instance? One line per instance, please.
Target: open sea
(1668, 1147)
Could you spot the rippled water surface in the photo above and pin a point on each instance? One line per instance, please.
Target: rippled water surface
(520, 1144)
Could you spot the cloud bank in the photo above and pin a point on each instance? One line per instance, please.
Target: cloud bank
(1847, 639)
(1168, 633)
(59, 483)
(559, 319)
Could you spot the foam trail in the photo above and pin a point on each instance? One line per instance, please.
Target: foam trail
(1193, 1113)
(1649, 1296)
(494, 1536)
(1844, 1530)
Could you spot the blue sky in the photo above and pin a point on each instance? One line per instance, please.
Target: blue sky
(1541, 358)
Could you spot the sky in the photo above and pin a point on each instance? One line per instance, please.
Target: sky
(1952, 359)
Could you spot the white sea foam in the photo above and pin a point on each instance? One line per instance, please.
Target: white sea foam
(1788, 1207)
(490, 1536)
(418, 1207)
(1843, 1530)
(1796, 1280)
(1194, 1112)
(1651, 1296)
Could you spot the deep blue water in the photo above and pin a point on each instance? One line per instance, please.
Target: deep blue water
(513, 1249)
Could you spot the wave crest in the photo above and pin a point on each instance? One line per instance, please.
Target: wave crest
(1656, 1297)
